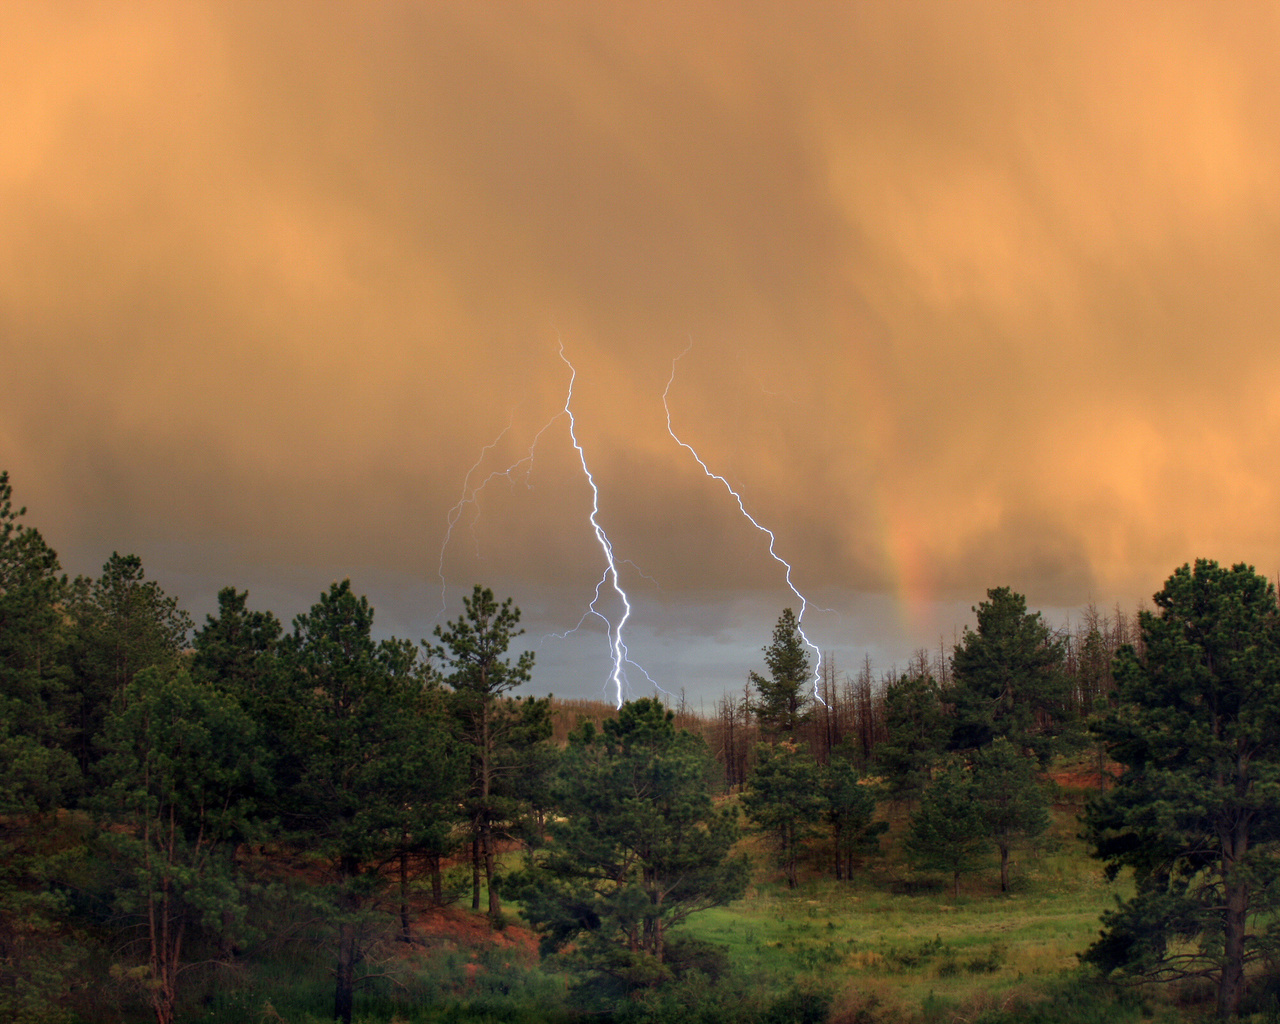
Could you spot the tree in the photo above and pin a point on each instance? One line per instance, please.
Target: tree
(178, 777)
(1007, 679)
(918, 731)
(123, 623)
(237, 647)
(784, 797)
(638, 846)
(782, 704)
(1195, 813)
(850, 807)
(1009, 799)
(947, 832)
(359, 755)
(36, 772)
(33, 627)
(429, 813)
(473, 649)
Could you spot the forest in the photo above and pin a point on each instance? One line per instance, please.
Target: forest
(243, 821)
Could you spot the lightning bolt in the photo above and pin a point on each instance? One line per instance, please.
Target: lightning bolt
(817, 664)
(617, 645)
(471, 495)
(620, 656)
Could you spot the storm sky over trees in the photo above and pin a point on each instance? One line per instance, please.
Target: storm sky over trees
(273, 279)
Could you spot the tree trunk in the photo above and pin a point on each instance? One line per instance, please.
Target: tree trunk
(475, 869)
(405, 934)
(345, 974)
(1004, 868)
(955, 886)
(1236, 891)
(657, 930)
(437, 881)
(495, 905)
(486, 821)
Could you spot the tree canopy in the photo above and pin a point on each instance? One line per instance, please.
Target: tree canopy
(1195, 812)
(781, 703)
(640, 846)
(1007, 679)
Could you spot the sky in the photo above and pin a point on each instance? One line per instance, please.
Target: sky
(953, 295)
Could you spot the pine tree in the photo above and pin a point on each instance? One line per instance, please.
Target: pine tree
(947, 832)
(850, 808)
(237, 647)
(637, 847)
(36, 771)
(918, 732)
(123, 623)
(1009, 798)
(785, 799)
(473, 650)
(1008, 679)
(781, 703)
(178, 779)
(1195, 813)
(359, 753)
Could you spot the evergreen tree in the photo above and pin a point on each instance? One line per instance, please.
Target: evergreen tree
(123, 623)
(361, 753)
(473, 650)
(33, 629)
(1008, 679)
(637, 847)
(947, 831)
(918, 730)
(237, 647)
(781, 703)
(1012, 804)
(785, 799)
(850, 808)
(1196, 811)
(36, 772)
(177, 782)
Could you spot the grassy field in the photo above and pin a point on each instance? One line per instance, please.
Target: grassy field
(890, 946)
(893, 945)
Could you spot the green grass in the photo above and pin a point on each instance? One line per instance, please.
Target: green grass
(889, 947)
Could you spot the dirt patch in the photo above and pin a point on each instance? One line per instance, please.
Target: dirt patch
(462, 929)
(1082, 779)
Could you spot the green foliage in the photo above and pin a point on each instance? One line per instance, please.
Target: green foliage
(1196, 811)
(365, 760)
(786, 801)
(850, 808)
(781, 703)
(1009, 798)
(638, 847)
(123, 623)
(474, 647)
(180, 760)
(947, 831)
(237, 647)
(1008, 679)
(33, 639)
(36, 772)
(994, 800)
(505, 738)
(918, 730)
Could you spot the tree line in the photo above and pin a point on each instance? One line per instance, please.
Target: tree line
(176, 800)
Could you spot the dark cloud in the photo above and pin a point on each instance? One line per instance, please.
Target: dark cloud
(970, 296)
